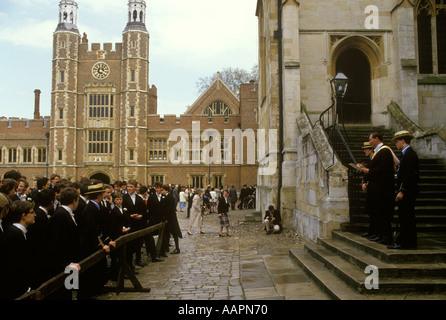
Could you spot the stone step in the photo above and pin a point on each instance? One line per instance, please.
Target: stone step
(362, 259)
(427, 251)
(355, 277)
(254, 216)
(330, 283)
(421, 227)
(420, 219)
(419, 210)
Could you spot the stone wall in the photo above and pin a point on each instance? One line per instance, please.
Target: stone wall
(321, 184)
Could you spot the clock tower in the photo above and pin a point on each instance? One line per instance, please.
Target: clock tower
(100, 99)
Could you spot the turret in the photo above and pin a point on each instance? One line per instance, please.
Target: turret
(67, 16)
(136, 15)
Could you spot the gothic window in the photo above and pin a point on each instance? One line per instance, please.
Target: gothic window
(135, 15)
(12, 155)
(196, 181)
(41, 155)
(100, 141)
(100, 106)
(218, 108)
(27, 155)
(157, 179)
(431, 28)
(158, 149)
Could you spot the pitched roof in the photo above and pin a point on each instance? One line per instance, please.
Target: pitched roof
(218, 90)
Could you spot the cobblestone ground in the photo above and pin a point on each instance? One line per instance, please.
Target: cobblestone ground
(250, 265)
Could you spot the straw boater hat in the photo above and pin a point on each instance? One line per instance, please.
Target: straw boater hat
(96, 188)
(367, 145)
(402, 134)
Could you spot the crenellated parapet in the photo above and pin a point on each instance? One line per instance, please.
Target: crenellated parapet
(104, 51)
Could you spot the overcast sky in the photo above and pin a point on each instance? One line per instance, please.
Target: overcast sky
(188, 40)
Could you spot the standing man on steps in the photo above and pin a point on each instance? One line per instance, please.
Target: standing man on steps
(381, 186)
(407, 191)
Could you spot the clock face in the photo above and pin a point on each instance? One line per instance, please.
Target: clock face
(100, 70)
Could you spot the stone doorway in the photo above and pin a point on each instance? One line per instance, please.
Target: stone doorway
(356, 106)
(102, 177)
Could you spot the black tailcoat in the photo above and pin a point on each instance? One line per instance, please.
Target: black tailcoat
(16, 264)
(381, 188)
(63, 241)
(407, 183)
(139, 207)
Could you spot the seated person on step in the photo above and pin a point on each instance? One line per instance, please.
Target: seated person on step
(272, 221)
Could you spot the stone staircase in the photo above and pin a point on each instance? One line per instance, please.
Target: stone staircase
(430, 207)
(338, 264)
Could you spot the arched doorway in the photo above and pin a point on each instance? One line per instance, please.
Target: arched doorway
(102, 177)
(356, 106)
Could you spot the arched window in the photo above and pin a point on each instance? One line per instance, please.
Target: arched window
(140, 17)
(218, 108)
(431, 28)
(135, 15)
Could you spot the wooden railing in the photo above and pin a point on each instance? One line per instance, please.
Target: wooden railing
(57, 282)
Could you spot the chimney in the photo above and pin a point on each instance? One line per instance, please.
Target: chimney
(37, 104)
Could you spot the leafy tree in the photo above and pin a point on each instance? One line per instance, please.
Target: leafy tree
(232, 77)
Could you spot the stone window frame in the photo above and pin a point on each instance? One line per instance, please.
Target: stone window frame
(99, 142)
(100, 105)
(14, 155)
(41, 158)
(157, 178)
(218, 107)
(158, 147)
(197, 175)
(433, 8)
(27, 154)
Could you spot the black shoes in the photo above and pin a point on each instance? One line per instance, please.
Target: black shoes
(157, 260)
(396, 246)
(366, 235)
(176, 251)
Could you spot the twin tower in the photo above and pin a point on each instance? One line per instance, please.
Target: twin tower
(100, 98)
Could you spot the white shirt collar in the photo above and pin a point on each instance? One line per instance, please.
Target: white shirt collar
(21, 227)
(44, 210)
(378, 147)
(70, 212)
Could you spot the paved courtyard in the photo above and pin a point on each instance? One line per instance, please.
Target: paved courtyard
(250, 265)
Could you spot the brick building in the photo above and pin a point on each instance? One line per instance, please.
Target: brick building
(104, 121)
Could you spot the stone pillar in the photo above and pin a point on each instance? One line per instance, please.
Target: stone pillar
(291, 105)
(405, 60)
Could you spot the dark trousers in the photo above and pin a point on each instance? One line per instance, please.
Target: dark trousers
(373, 229)
(406, 217)
(382, 207)
(150, 245)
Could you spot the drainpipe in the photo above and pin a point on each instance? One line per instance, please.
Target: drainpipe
(278, 36)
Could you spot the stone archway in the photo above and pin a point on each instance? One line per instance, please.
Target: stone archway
(101, 176)
(361, 59)
(357, 103)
